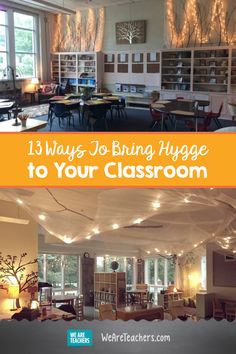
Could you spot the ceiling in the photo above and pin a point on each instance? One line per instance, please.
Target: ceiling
(165, 221)
(71, 4)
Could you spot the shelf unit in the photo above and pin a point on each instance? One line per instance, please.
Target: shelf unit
(166, 299)
(109, 288)
(176, 70)
(81, 69)
(211, 70)
(233, 71)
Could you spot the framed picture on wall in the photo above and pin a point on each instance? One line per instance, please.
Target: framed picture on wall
(131, 32)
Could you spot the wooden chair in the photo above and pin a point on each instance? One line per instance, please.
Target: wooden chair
(106, 312)
(176, 309)
(218, 311)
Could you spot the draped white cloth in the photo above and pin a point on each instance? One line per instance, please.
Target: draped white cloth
(165, 221)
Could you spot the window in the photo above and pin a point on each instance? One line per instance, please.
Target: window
(19, 49)
(203, 273)
(159, 273)
(25, 44)
(62, 271)
(3, 43)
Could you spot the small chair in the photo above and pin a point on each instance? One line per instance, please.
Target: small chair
(214, 116)
(205, 124)
(120, 109)
(60, 111)
(157, 118)
(106, 312)
(218, 311)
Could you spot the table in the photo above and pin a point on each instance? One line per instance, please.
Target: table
(32, 125)
(5, 107)
(52, 313)
(137, 313)
(180, 109)
(67, 299)
(32, 95)
(96, 109)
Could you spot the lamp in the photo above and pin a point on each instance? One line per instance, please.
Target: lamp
(35, 81)
(13, 293)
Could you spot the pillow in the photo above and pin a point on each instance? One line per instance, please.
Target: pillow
(46, 89)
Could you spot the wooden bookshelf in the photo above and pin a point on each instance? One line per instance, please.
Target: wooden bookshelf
(233, 71)
(210, 70)
(109, 288)
(176, 70)
(166, 299)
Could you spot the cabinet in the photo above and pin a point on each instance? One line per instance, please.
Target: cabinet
(110, 288)
(204, 305)
(211, 70)
(166, 299)
(176, 70)
(88, 280)
(82, 69)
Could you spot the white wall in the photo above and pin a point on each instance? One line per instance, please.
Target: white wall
(150, 10)
(222, 292)
(16, 239)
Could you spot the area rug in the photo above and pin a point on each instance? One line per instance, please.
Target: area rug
(36, 111)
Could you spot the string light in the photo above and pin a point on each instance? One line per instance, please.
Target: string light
(217, 20)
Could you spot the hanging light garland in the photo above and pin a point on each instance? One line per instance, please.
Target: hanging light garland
(218, 15)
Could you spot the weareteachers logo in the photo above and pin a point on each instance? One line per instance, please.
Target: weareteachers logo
(79, 338)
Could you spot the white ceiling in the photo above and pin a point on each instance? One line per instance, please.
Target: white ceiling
(75, 4)
(183, 220)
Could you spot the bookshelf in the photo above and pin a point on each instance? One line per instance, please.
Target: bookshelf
(166, 299)
(176, 70)
(109, 288)
(233, 71)
(210, 71)
(81, 69)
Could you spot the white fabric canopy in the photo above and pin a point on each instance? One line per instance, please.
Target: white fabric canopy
(165, 221)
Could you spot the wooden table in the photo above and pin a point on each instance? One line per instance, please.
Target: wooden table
(52, 313)
(180, 109)
(32, 125)
(93, 108)
(5, 107)
(32, 95)
(137, 313)
(67, 299)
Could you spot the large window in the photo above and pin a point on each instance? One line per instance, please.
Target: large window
(159, 273)
(62, 271)
(3, 43)
(18, 44)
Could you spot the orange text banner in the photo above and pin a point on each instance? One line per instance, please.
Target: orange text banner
(118, 159)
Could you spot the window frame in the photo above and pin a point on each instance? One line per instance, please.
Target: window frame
(62, 291)
(6, 26)
(11, 43)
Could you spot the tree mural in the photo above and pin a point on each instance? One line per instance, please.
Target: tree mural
(13, 270)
